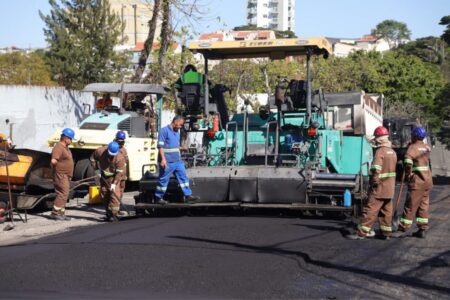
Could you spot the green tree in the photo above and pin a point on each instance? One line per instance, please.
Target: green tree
(82, 35)
(446, 22)
(24, 69)
(429, 49)
(400, 77)
(279, 34)
(443, 116)
(393, 31)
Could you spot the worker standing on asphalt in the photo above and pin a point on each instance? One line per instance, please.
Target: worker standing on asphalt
(170, 161)
(420, 182)
(111, 164)
(120, 139)
(382, 187)
(62, 171)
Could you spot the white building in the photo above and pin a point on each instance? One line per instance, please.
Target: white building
(343, 47)
(273, 14)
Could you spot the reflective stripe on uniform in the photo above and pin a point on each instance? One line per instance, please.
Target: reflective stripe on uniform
(107, 173)
(421, 168)
(406, 221)
(161, 188)
(56, 208)
(169, 150)
(375, 167)
(161, 143)
(363, 228)
(385, 228)
(408, 161)
(422, 220)
(186, 184)
(386, 175)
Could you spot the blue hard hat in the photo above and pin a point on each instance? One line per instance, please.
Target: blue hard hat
(69, 133)
(120, 135)
(113, 148)
(419, 132)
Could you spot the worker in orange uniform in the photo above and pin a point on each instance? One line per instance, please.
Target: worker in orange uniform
(111, 166)
(420, 182)
(120, 139)
(382, 187)
(62, 167)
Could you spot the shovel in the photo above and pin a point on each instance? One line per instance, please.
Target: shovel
(396, 218)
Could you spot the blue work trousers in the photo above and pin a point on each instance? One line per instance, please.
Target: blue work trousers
(164, 178)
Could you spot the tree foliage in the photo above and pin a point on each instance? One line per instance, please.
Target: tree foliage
(81, 35)
(400, 77)
(393, 31)
(24, 69)
(446, 22)
(279, 34)
(429, 49)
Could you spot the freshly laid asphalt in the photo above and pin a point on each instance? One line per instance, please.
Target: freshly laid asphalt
(254, 255)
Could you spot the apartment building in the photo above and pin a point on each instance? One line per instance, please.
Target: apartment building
(136, 15)
(272, 14)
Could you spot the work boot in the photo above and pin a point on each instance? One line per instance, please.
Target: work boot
(59, 217)
(383, 237)
(191, 199)
(160, 201)
(355, 236)
(111, 218)
(419, 234)
(371, 234)
(398, 234)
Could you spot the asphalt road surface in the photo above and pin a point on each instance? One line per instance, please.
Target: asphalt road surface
(256, 256)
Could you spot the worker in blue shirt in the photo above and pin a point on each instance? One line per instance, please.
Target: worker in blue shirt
(170, 161)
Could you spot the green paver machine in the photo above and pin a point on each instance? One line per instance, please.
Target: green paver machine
(304, 150)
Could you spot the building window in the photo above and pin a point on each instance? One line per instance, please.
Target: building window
(264, 16)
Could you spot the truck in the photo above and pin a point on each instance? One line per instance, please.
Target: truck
(304, 150)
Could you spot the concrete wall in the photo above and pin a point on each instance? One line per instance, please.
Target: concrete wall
(36, 112)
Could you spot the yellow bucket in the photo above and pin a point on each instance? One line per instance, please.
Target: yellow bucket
(94, 195)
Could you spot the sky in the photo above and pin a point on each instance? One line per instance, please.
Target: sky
(21, 25)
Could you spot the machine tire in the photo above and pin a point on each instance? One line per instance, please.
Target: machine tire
(83, 169)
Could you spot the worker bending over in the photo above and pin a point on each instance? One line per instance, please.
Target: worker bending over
(111, 166)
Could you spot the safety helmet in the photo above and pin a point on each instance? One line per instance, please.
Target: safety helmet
(190, 68)
(69, 133)
(120, 135)
(113, 148)
(380, 131)
(419, 132)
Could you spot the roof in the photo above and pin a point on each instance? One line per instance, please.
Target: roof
(127, 88)
(369, 38)
(274, 48)
(211, 36)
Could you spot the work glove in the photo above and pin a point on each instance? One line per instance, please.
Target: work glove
(113, 187)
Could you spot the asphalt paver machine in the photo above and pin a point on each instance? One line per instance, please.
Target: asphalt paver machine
(304, 150)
